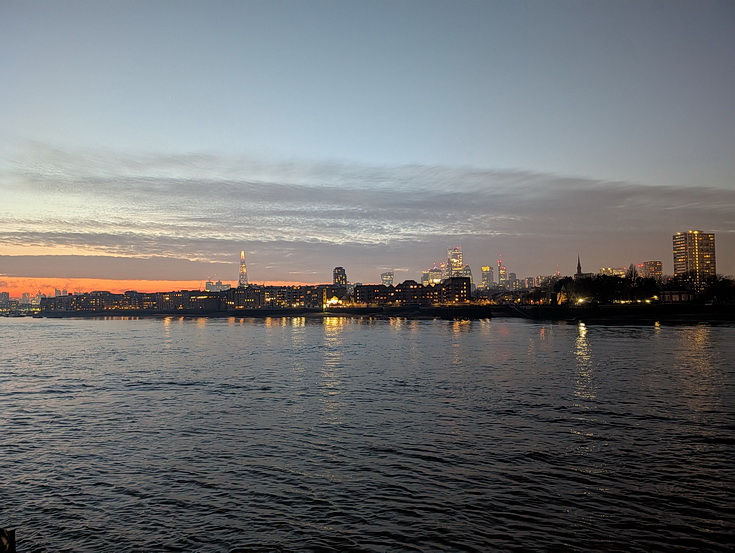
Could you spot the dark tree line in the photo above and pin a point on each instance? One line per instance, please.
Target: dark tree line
(716, 289)
(605, 289)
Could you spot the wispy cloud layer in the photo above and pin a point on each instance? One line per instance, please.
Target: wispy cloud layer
(307, 217)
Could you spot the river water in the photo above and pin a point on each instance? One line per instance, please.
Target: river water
(348, 434)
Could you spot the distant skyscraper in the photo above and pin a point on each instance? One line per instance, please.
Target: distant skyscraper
(387, 278)
(436, 274)
(466, 272)
(651, 269)
(694, 256)
(502, 274)
(445, 269)
(242, 281)
(487, 277)
(339, 276)
(455, 264)
(513, 282)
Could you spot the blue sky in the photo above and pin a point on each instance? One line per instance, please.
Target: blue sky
(371, 135)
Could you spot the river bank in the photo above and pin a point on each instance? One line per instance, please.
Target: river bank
(626, 314)
(644, 314)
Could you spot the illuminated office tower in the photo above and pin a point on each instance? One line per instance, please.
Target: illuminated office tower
(513, 282)
(487, 277)
(466, 272)
(445, 269)
(436, 273)
(387, 278)
(502, 274)
(651, 269)
(339, 276)
(455, 264)
(694, 256)
(242, 282)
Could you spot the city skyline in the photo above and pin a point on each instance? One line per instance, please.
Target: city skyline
(440, 271)
(144, 146)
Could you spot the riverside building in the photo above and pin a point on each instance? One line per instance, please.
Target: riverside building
(339, 276)
(694, 257)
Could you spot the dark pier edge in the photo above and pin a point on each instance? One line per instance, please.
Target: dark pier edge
(626, 314)
(590, 314)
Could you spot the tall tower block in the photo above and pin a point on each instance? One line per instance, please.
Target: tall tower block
(455, 263)
(694, 256)
(242, 282)
(339, 276)
(502, 274)
(487, 277)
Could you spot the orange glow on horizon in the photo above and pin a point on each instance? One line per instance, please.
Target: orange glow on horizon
(16, 286)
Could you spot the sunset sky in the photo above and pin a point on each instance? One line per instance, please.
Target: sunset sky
(144, 144)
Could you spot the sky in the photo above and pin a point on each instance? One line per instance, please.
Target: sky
(144, 144)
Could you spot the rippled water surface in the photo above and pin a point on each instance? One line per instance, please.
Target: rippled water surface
(341, 434)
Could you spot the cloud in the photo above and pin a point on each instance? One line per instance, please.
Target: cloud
(204, 208)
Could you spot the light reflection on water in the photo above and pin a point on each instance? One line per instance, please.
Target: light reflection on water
(332, 369)
(584, 383)
(338, 434)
